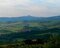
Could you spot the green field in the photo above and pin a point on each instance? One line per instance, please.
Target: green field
(13, 34)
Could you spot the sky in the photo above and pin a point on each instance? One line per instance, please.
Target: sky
(40, 8)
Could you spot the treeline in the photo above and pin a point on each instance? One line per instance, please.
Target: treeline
(52, 42)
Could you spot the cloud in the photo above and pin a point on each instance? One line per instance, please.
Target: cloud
(52, 1)
(15, 8)
(7, 2)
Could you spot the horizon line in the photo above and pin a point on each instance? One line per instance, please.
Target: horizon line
(28, 16)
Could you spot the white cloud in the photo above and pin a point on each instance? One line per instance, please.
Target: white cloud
(52, 1)
(26, 7)
(7, 2)
(22, 2)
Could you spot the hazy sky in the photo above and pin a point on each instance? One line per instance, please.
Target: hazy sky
(14, 8)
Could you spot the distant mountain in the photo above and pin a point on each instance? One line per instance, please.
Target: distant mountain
(28, 18)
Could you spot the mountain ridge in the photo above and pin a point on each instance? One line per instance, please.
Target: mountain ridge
(28, 18)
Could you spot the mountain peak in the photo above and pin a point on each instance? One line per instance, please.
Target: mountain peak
(28, 16)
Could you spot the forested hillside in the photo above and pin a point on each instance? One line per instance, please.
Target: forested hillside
(32, 32)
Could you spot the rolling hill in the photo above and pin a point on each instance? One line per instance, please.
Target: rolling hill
(16, 24)
(28, 18)
(28, 27)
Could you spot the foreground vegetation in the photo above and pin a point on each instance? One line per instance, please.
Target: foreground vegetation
(52, 42)
(34, 38)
